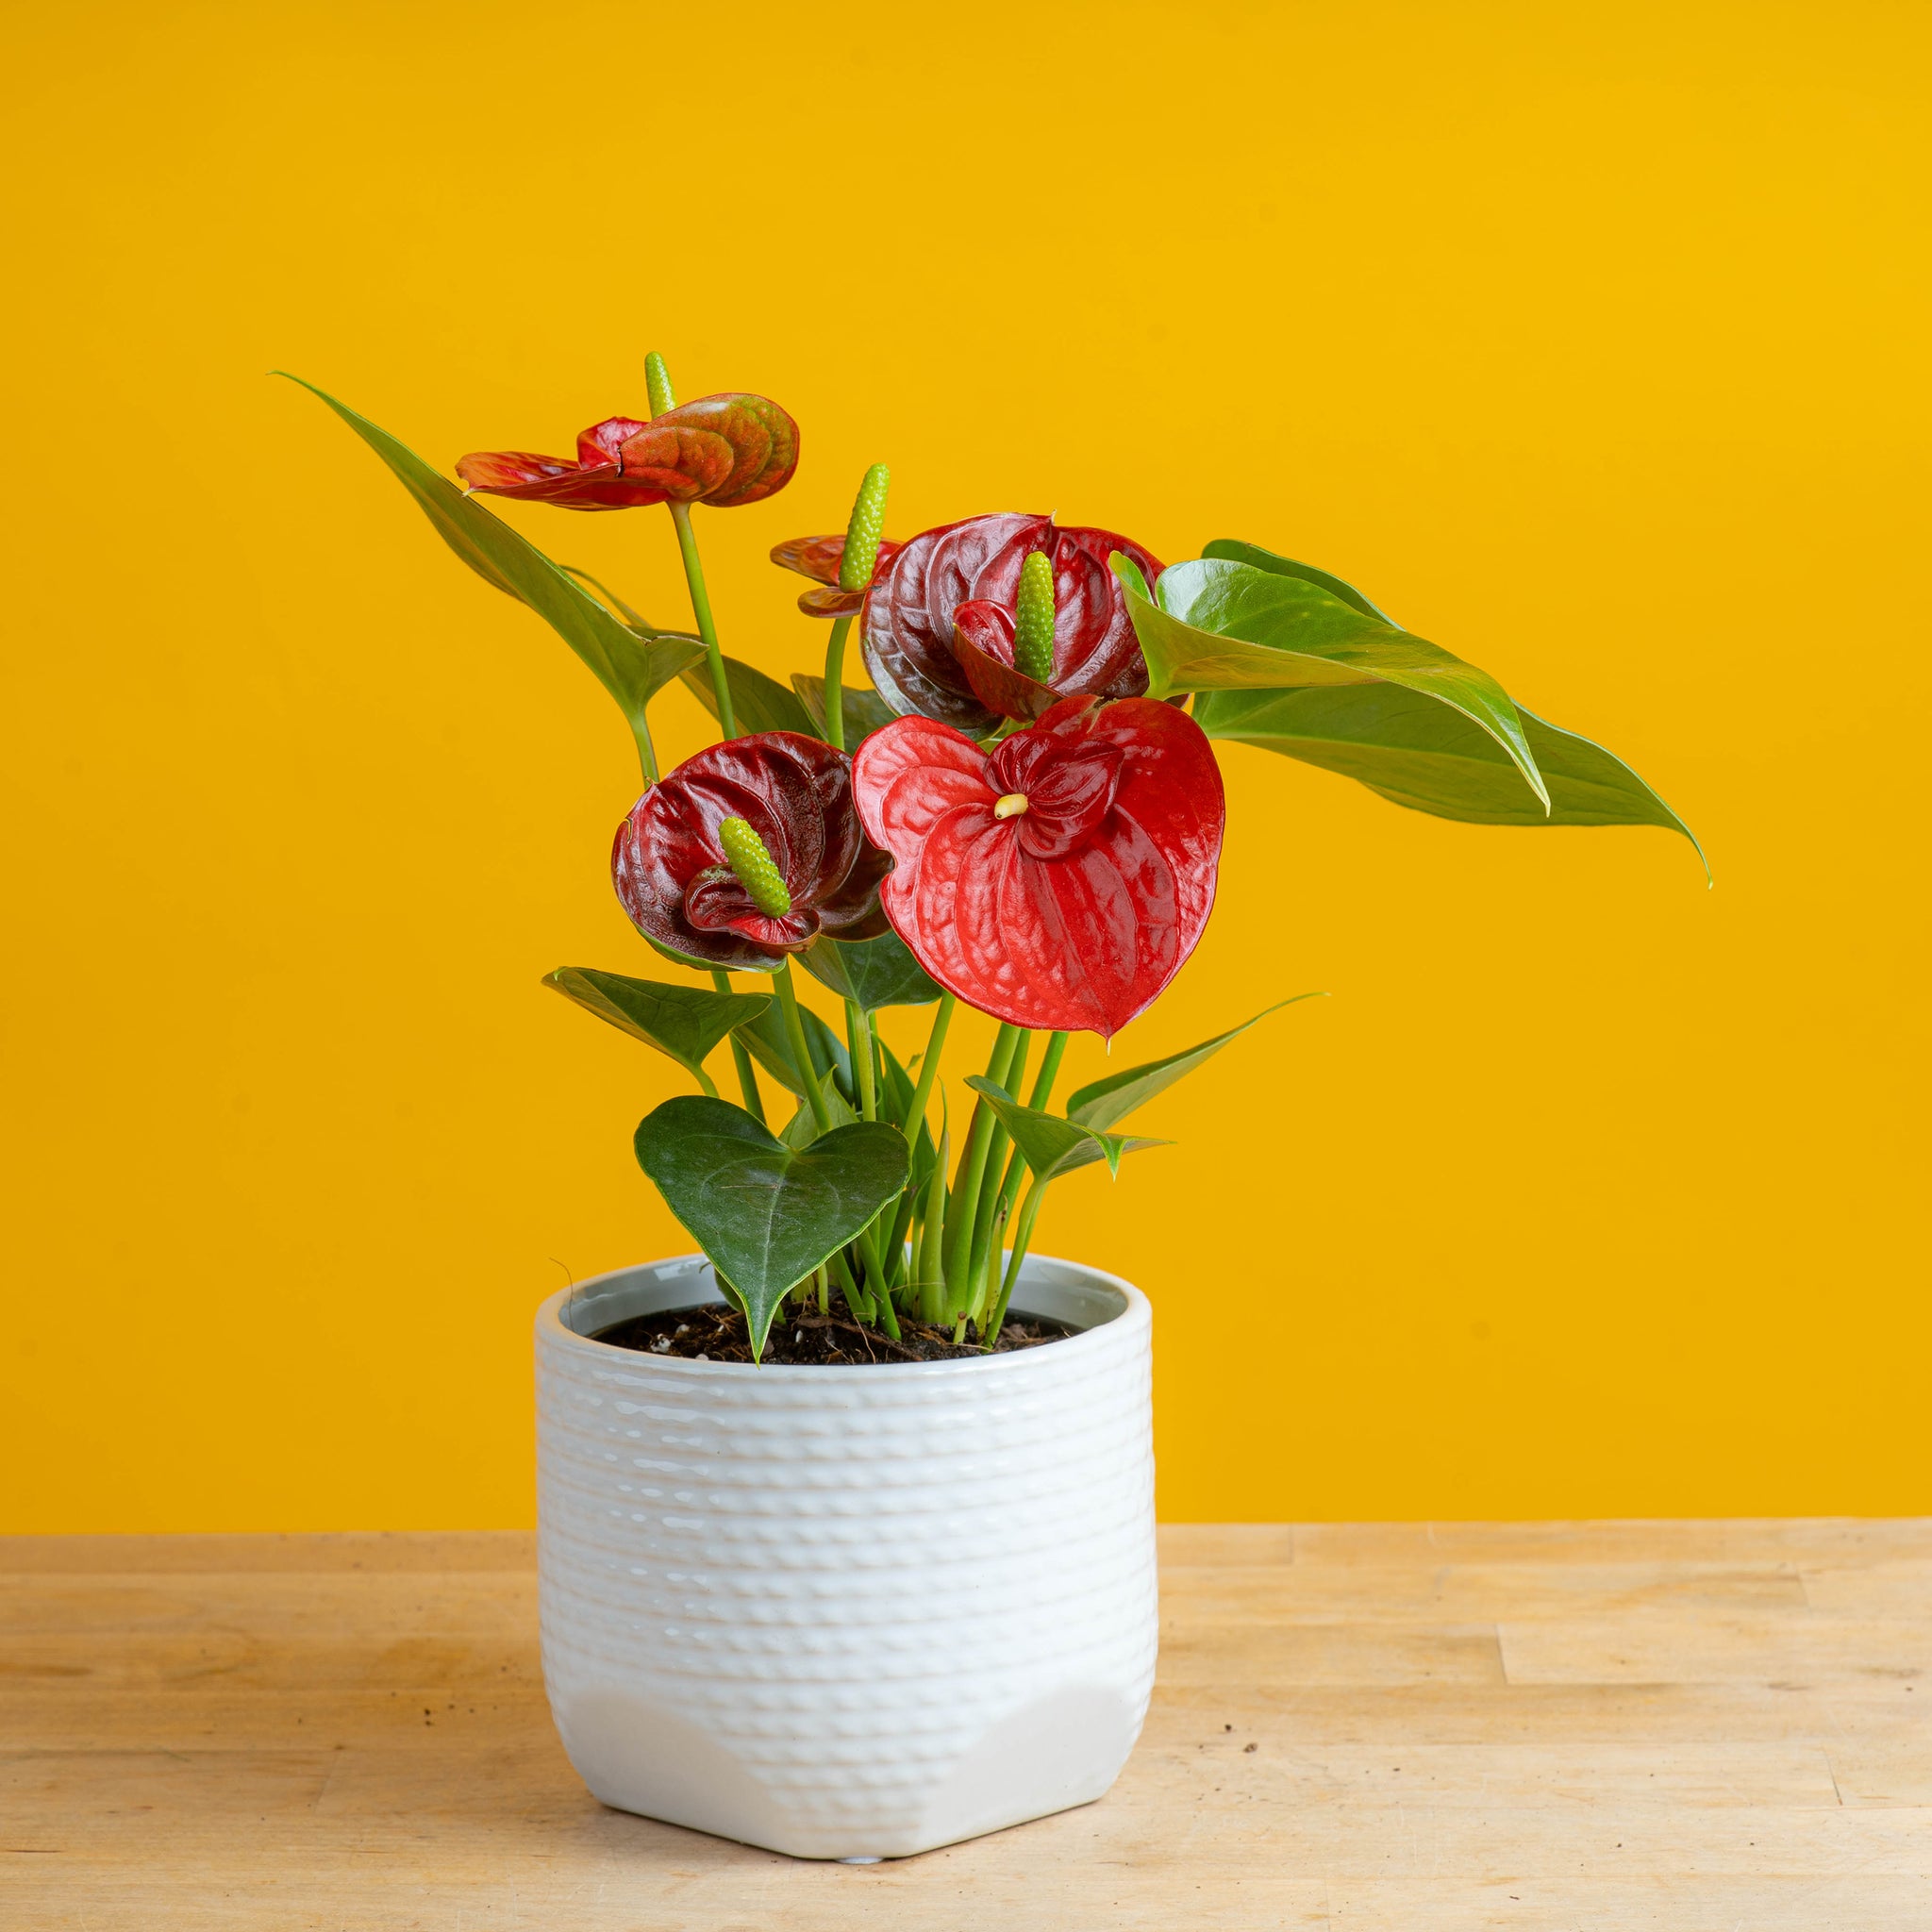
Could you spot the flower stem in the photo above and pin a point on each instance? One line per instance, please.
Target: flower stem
(701, 609)
(1023, 1239)
(835, 684)
(986, 1221)
(964, 1206)
(801, 1053)
(1043, 1092)
(929, 1066)
(740, 1058)
(858, 1042)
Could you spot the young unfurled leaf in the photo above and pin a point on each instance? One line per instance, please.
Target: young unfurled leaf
(1102, 1103)
(1049, 1145)
(765, 1213)
(771, 1046)
(1232, 550)
(802, 1129)
(1217, 625)
(759, 703)
(632, 668)
(1416, 753)
(863, 711)
(875, 973)
(685, 1022)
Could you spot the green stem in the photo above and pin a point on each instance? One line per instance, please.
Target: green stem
(964, 1206)
(929, 1067)
(1023, 1239)
(701, 609)
(858, 1043)
(929, 1271)
(801, 1053)
(740, 1057)
(1043, 1092)
(835, 684)
(985, 1225)
(647, 752)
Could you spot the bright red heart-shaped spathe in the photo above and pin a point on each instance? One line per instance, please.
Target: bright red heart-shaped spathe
(1075, 913)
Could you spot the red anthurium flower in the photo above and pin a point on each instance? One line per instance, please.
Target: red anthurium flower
(931, 648)
(819, 558)
(692, 880)
(722, 450)
(1060, 880)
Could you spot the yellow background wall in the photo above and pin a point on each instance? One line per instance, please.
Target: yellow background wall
(1590, 340)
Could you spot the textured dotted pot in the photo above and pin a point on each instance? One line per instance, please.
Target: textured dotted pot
(847, 1612)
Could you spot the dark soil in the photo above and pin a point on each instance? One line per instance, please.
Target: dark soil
(716, 1333)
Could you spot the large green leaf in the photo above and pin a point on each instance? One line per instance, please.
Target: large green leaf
(1102, 1103)
(766, 1214)
(1219, 625)
(771, 1046)
(1232, 550)
(685, 1022)
(861, 710)
(1420, 753)
(875, 973)
(759, 703)
(1049, 1145)
(630, 666)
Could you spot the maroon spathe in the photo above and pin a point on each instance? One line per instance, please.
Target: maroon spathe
(1075, 911)
(938, 631)
(668, 862)
(722, 450)
(819, 558)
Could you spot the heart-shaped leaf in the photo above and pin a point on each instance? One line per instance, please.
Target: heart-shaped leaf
(759, 703)
(1218, 626)
(632, 668)
(875, 973)
(685, 1022)
(1049, 1145)
(766, 1214)
(1421, 755)
(1102, 1103)
(861, 710)
(771, 1046)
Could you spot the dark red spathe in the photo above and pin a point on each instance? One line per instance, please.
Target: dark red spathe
(934, 642)
(722, 450)
(1075, 913)
(669, 865)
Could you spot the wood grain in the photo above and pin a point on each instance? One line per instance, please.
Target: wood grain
(1384, 1727)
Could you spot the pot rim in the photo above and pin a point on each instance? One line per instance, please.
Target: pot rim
(1136, 1317)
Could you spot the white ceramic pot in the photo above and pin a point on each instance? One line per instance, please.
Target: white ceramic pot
(847, 1612)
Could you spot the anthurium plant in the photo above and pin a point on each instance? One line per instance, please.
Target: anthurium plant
(1023, 811)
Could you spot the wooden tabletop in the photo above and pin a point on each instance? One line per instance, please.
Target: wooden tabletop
(1584, 1727)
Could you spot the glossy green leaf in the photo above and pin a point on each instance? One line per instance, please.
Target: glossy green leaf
(761, 703)
(1424, 755)
(771, 1046)
(632, 668)
(875, 973)
(766, 1214)
(1101, 1103)
(1232, 550)
(1217, 625)
(863, 711)
(685, 1022)
(1049, 1145)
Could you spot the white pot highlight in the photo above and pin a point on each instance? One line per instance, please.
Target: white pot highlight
(847, 1612)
